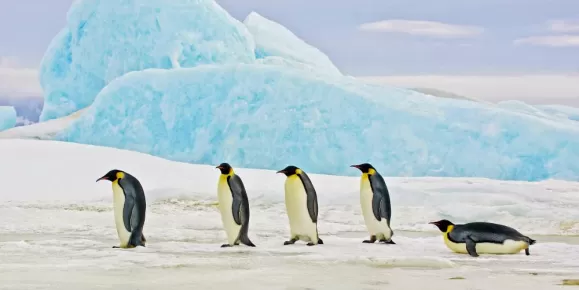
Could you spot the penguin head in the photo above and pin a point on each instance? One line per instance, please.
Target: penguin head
(290, 170)
(365, 168)
(442, 225)
(112, 175)
(225, 168)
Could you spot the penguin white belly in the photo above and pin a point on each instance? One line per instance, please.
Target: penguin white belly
(378, 228)
(301, 225)
(508, 247)
(225, 199)
(119, 204)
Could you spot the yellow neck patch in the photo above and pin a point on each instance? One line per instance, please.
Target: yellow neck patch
(299, 171)
(371, 171)
(120, 175)
(449, 229)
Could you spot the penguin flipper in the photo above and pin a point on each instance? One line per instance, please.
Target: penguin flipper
(129, 212)
(471, 247)
(311, 196)
(381, 206)
(238, 193)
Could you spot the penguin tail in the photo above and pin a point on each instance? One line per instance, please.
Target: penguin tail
(531, 241)
(244, 239)
(137, 240)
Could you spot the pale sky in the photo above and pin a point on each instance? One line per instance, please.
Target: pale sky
(489, 49)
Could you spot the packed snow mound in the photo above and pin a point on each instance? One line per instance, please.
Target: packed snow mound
(262, 116)
(7, 117)
(273, 39)
(104, 39)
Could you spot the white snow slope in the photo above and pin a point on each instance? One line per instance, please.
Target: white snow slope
(57, 223)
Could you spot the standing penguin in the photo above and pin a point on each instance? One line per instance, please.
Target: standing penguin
(129, 206)
(234, 207)
(301, 204)
(483, 238)
(375, 202)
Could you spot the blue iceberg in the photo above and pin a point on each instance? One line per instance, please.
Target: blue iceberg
(105, 39)
(570, 113)
(7, 117)
(264, 116)
(274, 40)
(185, 81)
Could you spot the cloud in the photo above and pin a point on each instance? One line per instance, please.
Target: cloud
(16, 81)
(564, 26)
(534, 89)
(423, 28)
(550, 40)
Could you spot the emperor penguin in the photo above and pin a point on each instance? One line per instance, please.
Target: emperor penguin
(483, 238)
(301, 203)
(375, 202)
(129, 207)
(234, 207)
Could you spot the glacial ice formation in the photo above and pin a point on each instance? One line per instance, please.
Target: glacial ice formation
(273, 39)
(264, 116)
(570, 113)
(104, 39)
(7, 117)
(186, 81)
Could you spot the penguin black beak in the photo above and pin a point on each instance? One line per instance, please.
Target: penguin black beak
(219, 167)
(281, 171)
(433, 223)
(355, 166)
(102, 178)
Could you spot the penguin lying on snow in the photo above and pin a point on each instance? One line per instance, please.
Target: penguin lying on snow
(301, 203)
(234, 207)
(375, 202)
(130, 206)
(483, 238)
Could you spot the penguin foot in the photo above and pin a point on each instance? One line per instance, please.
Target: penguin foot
(226, 246)
(311, 244)
(388, 242)
(371, 240)
(527, 252)
(116, 247)
(320, 242)
(290, 242)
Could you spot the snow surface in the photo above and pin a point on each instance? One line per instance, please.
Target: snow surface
(57, 223)
(96, 46)
(7, 117)
(273, 39)
(262, 116)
